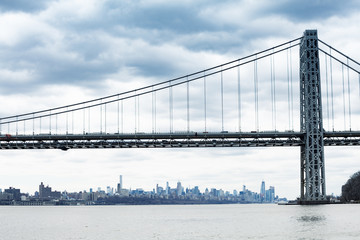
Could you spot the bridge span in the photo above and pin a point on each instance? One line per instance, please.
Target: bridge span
(172, 140)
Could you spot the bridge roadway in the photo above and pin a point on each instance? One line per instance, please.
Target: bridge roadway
(171, 140)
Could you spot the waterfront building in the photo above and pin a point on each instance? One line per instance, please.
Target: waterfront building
(46, 193)
(6, 196)
(15, 193)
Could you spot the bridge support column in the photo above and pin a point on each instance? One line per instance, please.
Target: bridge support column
(312, 153)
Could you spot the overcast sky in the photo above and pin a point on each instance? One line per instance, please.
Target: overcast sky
(54, 53)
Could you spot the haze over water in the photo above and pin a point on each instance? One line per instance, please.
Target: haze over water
(182, 222)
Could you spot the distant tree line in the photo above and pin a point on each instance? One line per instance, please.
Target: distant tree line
(351, 189)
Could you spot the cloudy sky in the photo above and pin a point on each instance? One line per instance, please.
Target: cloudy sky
(54, 53)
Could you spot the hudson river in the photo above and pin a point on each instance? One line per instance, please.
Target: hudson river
(182, 222)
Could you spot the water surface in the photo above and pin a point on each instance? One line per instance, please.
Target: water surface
(182, 222)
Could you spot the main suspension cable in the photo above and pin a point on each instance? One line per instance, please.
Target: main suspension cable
(154, 85)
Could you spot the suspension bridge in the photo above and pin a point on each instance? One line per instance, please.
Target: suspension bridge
(248, 102)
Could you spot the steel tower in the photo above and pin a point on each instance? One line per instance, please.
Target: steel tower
(312, 175)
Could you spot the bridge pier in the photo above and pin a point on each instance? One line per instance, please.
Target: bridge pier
(312, 167)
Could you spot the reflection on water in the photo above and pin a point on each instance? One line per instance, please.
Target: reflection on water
(311, 218)
(311, 214)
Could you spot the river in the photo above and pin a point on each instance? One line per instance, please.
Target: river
(181, 222)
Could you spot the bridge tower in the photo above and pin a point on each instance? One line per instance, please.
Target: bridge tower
(312, 175)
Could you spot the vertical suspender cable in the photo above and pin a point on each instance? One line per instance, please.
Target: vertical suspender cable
(72, 122)
(222, 101)
(349, 98)
(205, 101)
(171, 107)
(272, 92)
(343, 87)
(50, 122)
(89, 120)
(56, 124)
(239, 97)
(332, 93)
(188, 103)
(40, 125)
(135, 111)
(274, 89)
(67, 120)
(118, 114)
(84, 118)
(155, 111)
(101, 116)
(33, 124)
(288, 87)
(327, 92)
(152, 110)
(105, 118)
(256, 95)
(291, 91)
(122, 116)
(17, 126)
(138, 113)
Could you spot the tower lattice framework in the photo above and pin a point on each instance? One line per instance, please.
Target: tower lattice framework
(312, 173)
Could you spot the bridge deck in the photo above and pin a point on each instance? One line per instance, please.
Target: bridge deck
(171, 140)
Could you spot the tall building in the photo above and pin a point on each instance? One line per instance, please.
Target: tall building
(272, 193)
(109, 190)
(178, 189)
(167, 188)
(262, 191)
(120, 185)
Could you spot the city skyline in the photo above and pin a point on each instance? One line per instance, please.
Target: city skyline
(159, 195)
(45, 189)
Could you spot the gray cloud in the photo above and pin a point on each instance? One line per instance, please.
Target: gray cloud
(23, 5)
(310, 10)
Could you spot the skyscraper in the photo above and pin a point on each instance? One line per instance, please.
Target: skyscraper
(262, 190)
(119, 186)
(178, 188)
(121, 182)
(272, 193)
